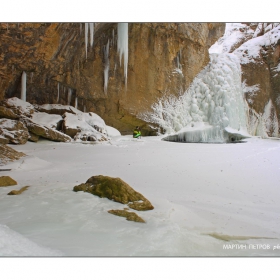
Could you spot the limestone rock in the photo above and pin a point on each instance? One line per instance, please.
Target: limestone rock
(130, 216)
(8, 154)
(45, 132)
(6, 181)
(13, 130)
(17, 192)
(3, 140)
(18, 106)
(33, 137)
(7, 113)
(115, 189)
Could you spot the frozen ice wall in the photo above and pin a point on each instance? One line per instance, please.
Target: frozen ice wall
(123, 45)
(211, 110)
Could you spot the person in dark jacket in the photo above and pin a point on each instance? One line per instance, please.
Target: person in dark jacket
(137, 132)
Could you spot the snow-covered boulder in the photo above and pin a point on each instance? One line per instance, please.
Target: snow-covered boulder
(45, 132)
(13, 130)
(112, 132)
(50, 120)
(18, 106)
(84, 126)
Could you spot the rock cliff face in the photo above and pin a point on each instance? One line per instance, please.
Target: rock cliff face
(163, 58)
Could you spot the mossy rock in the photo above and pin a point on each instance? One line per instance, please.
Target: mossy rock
(115, 189)
(17, 192)
(130, 216)
(6, 181)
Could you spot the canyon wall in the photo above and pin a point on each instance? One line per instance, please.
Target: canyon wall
(163, 59)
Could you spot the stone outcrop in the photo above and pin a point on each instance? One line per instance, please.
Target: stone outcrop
(3, 140)
(6, 181)
(19, 107)
(14, 131)
(8, 154)
(163, 58)
(115, 189)
(7, 113)
(17, 192)
(130, 216)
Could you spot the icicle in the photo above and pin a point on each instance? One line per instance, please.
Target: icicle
(107, 66)
(23, 86)
(91, 29)
(57, 100)
(69, 95)
(86, 37)
(123, 45)
(76, 102)
(113, 35)
(81, 28)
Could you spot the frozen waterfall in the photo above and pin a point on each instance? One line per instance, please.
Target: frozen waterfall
(123, 45)
(213, 109)
(23, 86)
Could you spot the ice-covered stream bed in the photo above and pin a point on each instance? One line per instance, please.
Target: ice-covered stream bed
(205, 197)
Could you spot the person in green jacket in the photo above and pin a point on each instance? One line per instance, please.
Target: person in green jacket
(137, 132)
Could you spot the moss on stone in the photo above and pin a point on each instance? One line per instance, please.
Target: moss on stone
(130, 216)
(16, 192)
(6, 181)
(115, 189)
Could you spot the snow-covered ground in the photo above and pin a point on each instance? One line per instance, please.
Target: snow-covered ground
(203, 194)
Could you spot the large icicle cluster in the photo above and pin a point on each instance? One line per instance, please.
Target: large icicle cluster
(123, 46)
(89, 26)
(211, 110)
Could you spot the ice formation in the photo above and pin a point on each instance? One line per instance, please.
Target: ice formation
(107, 66)
(23, 86)
(211, 110)
(91, 29)
(86, 37)
(57, 100)
(123, 45)
(270, 119)
(69, 96)
(76, 102)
